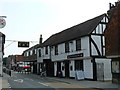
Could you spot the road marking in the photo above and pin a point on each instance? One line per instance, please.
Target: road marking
(9, 85)
(73, 85)
(19, 80)
(43, 84)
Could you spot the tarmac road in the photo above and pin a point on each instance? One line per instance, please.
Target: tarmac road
(29, 81)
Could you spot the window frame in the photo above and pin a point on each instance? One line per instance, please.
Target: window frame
(67, 47)
(46, 49)
(39, 52)
(78, 45)
(56, 49)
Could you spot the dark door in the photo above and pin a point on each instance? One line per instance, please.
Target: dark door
(58, 66)
(34, 68)
(67, 68)
(49, 66)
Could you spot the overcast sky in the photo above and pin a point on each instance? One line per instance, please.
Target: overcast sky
(27, 19)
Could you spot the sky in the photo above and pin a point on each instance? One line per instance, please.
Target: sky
(28, 19)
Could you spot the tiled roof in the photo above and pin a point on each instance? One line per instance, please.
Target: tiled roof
(74, 32)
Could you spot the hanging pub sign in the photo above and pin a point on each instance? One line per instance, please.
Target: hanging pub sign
(2, 23)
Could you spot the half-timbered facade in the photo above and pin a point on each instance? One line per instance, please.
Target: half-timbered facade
(80, 47)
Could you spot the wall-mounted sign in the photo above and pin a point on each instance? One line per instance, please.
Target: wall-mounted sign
(115, 67)
(2, 23)
(75, 55)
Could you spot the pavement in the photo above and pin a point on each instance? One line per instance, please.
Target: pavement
(4, 82)
(100, 85)
(106, 85)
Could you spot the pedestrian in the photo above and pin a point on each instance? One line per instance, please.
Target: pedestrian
(10, 72)
(40, 70)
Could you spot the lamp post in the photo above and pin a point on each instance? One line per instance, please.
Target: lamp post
(2, 41)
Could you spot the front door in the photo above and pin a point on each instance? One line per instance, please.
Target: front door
(67, 68)
(100, 71)
(49, 66)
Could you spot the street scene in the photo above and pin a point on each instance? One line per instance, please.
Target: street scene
(85, 55)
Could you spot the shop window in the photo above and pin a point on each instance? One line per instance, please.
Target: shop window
(79, 65)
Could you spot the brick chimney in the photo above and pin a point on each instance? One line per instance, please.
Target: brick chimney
(40, 40)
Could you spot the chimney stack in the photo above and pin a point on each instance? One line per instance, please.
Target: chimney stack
(40, 41)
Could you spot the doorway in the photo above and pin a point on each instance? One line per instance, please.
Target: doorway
(67, 71)
(100, 71)
(49, 67)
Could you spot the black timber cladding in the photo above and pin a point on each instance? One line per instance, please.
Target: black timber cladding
(74, 32)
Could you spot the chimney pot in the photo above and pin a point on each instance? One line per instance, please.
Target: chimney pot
(40, 41)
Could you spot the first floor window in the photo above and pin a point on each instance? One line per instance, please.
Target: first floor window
(56, 50)
(66, 47)
(46, 50)
(39, 52)
(78, 44)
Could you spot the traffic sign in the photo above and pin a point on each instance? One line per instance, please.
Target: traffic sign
(23, 44)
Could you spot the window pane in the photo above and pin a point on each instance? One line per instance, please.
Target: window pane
(66, 47)
(39, 52)
(46, 50)
(78, 44)
(56, 50)
(79, 65)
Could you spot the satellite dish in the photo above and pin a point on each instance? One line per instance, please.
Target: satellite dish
(2, 23)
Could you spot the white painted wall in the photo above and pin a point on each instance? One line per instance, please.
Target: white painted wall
(72, 72)
(107, 67)
(61, 49)
(88, 69)
(63, 71)
(85, 46)
(97, 40)
(55, 68)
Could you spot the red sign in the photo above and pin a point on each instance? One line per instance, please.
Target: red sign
(26, 66)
